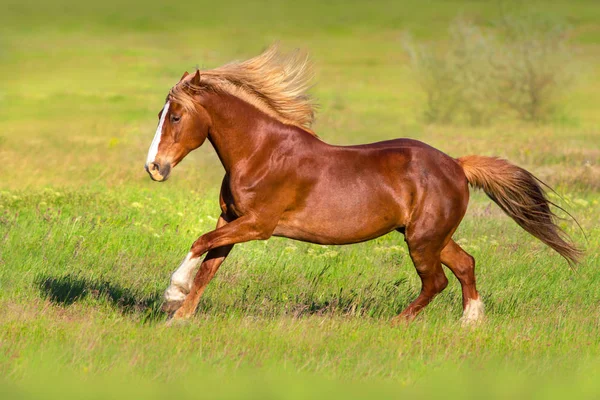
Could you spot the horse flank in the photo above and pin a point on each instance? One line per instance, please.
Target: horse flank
(272, 82)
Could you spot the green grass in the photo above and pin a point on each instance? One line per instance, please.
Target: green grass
(87, 241)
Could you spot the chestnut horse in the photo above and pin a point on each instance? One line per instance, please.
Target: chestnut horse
(281, 180)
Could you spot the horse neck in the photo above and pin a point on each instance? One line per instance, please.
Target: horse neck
(239, 131)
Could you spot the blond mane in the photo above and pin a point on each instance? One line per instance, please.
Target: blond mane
(272, 82)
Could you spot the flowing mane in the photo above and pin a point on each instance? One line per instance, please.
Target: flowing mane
(272, 82)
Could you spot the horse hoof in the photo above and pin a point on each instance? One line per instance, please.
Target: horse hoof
(178, 318)
(170, 306)
(471, 322)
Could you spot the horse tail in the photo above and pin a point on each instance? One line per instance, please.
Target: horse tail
(519, 194)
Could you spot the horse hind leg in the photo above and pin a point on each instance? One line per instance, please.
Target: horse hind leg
(425, 254)
(462, 266)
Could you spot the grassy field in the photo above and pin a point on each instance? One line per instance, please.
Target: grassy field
(87, 241)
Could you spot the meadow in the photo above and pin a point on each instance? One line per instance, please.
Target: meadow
(88, 241)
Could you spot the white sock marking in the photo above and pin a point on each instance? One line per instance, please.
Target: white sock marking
(181, 280)
(473, 312)
(156, 141)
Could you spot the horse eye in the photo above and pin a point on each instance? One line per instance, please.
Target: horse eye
(175, 118)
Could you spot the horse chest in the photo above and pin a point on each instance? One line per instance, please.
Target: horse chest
(234, 201)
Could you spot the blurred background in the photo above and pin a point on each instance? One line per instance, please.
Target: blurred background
(87, 240)
(82, 83)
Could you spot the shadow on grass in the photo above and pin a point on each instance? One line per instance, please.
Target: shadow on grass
(68, 289)
(381, 299)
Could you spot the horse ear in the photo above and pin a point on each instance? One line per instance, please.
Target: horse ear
(196, 79)
(184, 75)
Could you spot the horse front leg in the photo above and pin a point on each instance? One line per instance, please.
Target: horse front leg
(218, 243)
(183, 278)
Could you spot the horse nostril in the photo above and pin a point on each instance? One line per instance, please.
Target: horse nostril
(154, 166)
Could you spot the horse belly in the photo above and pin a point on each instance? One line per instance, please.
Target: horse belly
(348, 220)
(330, 236)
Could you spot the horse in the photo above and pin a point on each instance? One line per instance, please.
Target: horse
(282, 180)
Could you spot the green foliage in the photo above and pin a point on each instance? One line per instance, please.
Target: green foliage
(458, 81)
(535, 66)
(521, 68)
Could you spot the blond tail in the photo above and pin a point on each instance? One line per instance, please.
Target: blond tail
(519, 194)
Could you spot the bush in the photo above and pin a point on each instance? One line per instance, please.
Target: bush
(520, 68)
(457, 81)
(533, 66)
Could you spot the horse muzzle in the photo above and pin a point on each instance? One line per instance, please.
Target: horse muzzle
(158, 172)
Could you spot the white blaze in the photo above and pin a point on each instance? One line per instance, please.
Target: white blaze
(156, 141)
